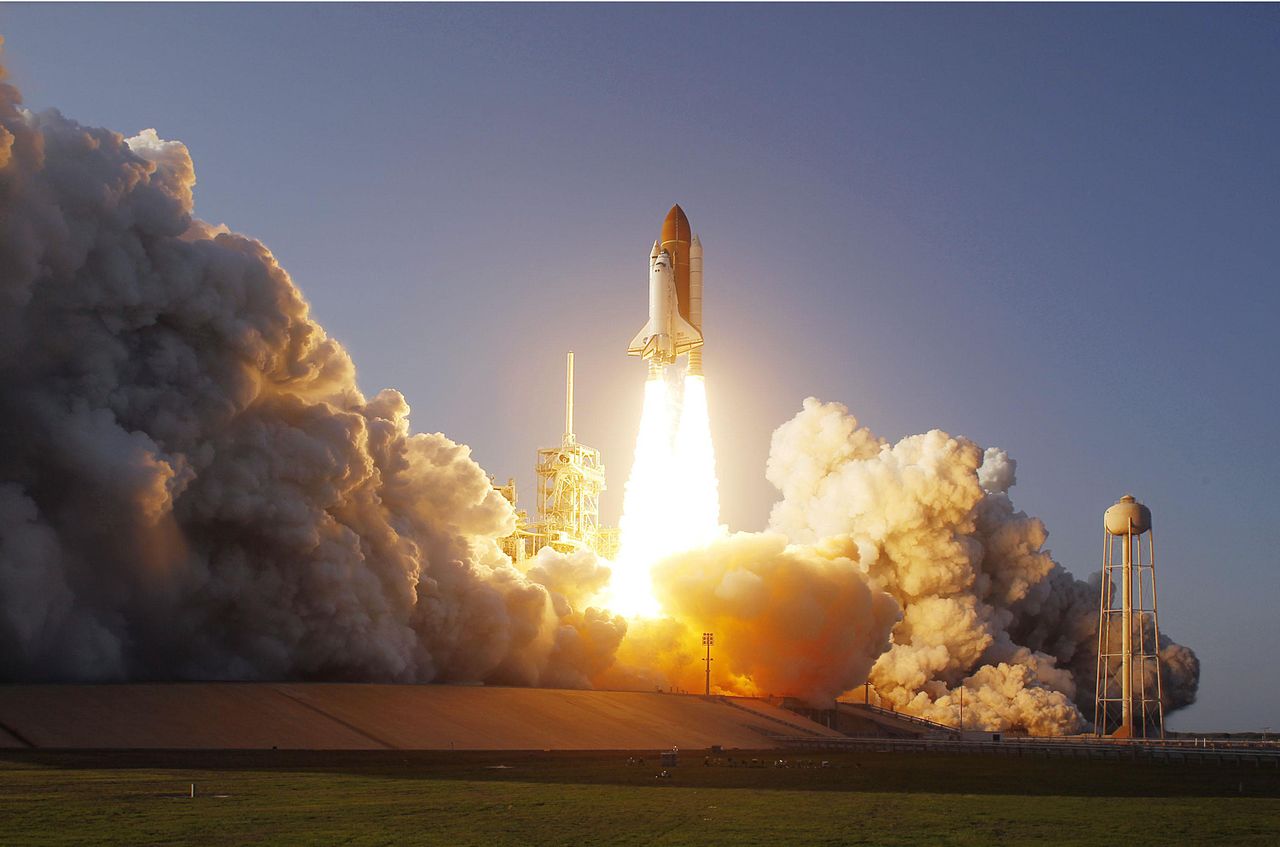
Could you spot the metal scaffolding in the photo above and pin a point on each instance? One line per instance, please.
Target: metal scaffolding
(515, 545)
(570, 478)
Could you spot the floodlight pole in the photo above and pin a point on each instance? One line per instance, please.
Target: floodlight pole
(708, 639)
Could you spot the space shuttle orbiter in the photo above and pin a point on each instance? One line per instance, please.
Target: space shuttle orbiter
(675, 298)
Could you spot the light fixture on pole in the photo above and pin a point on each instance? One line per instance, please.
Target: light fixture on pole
(708, 639)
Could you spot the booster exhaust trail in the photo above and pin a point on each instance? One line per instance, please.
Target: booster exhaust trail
(672, 499)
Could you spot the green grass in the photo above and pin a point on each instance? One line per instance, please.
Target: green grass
(597, 798)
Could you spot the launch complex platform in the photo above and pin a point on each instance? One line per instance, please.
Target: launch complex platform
(342, 716)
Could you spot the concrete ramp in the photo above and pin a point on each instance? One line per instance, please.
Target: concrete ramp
(300, 716)
(860, 719)
(178, 716)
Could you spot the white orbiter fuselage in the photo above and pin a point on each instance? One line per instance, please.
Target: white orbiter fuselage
(675, 298)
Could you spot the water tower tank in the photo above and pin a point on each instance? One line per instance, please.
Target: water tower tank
(1125, 514)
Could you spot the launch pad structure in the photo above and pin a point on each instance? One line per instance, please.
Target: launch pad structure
(570, 479)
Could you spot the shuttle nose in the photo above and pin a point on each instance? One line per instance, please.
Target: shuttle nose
(676, 225)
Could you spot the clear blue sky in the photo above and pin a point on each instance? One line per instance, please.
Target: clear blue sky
(1051, 229)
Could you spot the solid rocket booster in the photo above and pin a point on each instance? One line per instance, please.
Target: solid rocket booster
(695, 302)
(675, 298)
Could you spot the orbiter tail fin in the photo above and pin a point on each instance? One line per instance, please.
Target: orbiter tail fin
(639, 343)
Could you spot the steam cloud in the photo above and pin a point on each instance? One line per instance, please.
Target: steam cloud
(905, 565)
(929, 521)
(192, 486)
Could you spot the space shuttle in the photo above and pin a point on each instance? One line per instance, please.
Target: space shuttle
(675, 298)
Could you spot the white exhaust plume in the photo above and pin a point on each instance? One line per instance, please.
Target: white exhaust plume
(905, 565)
(985, 607)
(672, 498)
(191, 484)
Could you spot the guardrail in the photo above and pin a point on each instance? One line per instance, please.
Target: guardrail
(900, 716)
(1048, 747)
(1203, 742)
(728, 701)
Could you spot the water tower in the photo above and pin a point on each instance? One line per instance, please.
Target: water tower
(1128, 701)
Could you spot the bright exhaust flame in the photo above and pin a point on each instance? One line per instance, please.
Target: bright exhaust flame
(672, 500)
(697, 492)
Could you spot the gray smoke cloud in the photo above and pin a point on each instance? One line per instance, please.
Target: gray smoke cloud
(192, 485)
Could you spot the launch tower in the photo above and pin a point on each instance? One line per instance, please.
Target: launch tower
(570, 479)
(1129, 699)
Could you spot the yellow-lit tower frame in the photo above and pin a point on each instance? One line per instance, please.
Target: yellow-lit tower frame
(570, 480)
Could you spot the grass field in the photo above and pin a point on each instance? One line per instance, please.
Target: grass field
(378, 798)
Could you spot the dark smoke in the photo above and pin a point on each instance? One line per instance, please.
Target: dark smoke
(192, 485)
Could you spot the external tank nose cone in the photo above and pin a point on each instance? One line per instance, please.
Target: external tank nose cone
(676, 226)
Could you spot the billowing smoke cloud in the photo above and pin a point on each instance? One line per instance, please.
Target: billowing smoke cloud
(191, 484)
(799, 620)
(985, 607)
(903, 564)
